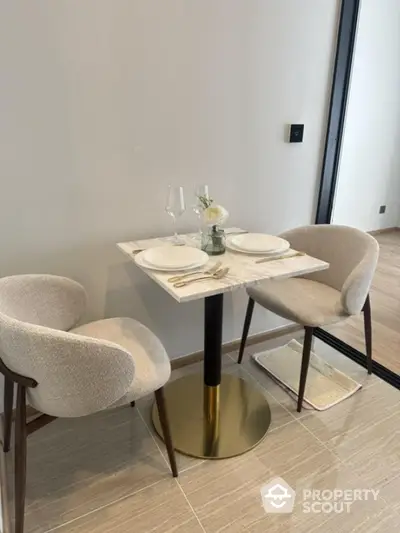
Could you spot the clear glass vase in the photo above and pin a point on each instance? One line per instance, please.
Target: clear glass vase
(213, 241)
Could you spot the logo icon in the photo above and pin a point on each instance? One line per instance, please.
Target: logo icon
(277, 496)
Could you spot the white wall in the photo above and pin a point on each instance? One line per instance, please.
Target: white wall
(369, 172)
(103, 103)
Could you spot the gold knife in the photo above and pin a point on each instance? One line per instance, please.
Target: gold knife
(275, 258)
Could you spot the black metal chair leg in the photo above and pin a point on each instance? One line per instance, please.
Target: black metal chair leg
(8, 407)
(304, 365)
(246, 327)
(162, 413)
(20, 459)
(368, 333)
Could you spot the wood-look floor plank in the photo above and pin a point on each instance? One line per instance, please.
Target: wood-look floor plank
(226, 496)
(78, 465)
(161, 508)
(385, 303)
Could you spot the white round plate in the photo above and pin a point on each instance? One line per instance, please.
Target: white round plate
(230, 246)
(141, 262)
(173, 257)
(168, 261)
(259, 243)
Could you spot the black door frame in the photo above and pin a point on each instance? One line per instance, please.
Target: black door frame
(337, 110)
(346, 39)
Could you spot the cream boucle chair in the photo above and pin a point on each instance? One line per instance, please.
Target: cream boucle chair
(325, 297)
(68, 371)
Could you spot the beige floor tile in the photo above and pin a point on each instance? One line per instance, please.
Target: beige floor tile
(161, 508)
(359, 519)
(363, 517)
(286, 448)
(364, 432)
(347, 419)
(374, 454)
(293, 454)
(390, 490)
(381, 438)
(226, 495)
(78, 465)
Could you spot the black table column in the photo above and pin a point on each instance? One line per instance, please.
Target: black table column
(213, 317)
(215, 416)
(213, 322)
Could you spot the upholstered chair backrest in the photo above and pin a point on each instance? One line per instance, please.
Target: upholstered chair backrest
(351, 253)
(76, 375)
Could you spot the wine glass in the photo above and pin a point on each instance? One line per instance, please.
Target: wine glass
(201, 191)
(175, 206)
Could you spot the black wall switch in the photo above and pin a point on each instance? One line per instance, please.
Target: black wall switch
(296, 133)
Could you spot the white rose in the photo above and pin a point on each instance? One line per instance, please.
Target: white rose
(215, 215)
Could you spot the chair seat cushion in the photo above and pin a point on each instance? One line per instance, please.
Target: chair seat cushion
(152, 364)
(304, 301)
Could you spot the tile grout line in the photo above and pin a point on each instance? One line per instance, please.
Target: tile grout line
(152, 436)
(175, 479)
(109, 504)
(190, 505)
(159, 449)
(383, 499)
(272, 430)
(191, 467)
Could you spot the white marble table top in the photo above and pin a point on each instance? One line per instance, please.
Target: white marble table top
(243, 269)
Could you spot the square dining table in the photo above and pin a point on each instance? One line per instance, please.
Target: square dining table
(216, 416)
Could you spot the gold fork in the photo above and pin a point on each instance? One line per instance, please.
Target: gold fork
(219, 274)
(210, 271)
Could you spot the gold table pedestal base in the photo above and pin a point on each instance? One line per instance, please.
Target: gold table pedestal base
(214, 422)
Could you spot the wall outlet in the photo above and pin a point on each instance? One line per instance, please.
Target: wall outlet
(382, 209)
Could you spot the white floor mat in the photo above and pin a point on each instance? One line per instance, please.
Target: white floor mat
(326, 386)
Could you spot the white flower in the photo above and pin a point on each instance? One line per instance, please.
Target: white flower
(215, 215)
